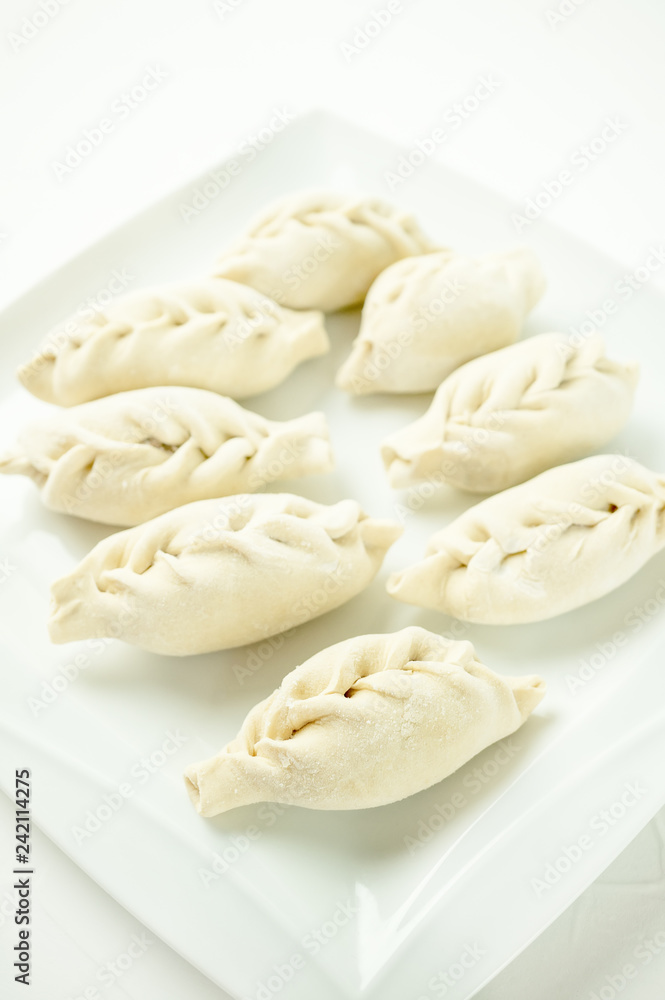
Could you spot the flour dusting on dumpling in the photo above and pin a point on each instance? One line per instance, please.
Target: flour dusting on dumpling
(221, 573)
(363, 723)
(509, 415)
(132, 456)
(554, 543)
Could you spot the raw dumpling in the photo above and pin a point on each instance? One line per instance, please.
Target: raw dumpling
(556, 542)
(321, 250)
(363, 723)
(130, 457)
(426, 316)
(509, 415)
(209, 334)
(221, 573)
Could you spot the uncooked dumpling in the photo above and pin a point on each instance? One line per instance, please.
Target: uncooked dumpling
(554, 543)
(221, 573)
(130, 457)
(426, 316)
(208, 334)
(320, 249)
(507, 416)
(368, 721)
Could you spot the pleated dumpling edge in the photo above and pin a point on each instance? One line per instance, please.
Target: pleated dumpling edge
(206, 333)
(321, 249)
(547, 546)
(366, 722)
(216, 574)
(132, 456)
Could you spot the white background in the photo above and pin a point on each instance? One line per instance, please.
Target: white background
(228, 66)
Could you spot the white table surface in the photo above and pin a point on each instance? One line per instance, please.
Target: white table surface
(226, 66)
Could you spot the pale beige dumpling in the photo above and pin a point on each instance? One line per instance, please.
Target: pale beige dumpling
(509, 415)
(221, 573)
(366, 722)
(426, 316)
(129, 457)
(207, 334)
(321, 249)
(552, 544)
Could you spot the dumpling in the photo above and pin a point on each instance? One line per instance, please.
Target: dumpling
(368, 721)
(320, 249)
(552, 544)
(209, 334)
(509, 415)
(129, 457)
(221, 573)
(426, 316)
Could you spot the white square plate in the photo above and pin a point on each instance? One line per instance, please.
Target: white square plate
(424, 898)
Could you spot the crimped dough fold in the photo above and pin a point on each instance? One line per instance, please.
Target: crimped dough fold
(132, 456)
(366, 722)
(508, 416)
(208, 334)
(321, 249)
(221, 573)
(552, 544)
(426, 316)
